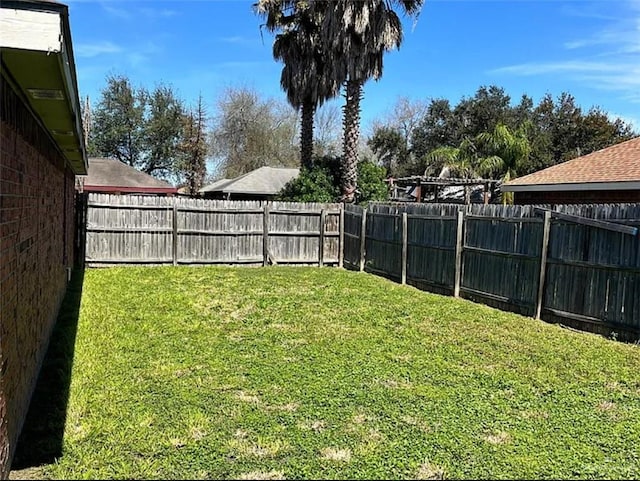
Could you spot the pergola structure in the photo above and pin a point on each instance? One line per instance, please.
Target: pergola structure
(421, 185)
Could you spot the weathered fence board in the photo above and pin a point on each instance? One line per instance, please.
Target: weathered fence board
(147, 229)
(496, 249)
(352, 235)
(594, 273)
(431, 250)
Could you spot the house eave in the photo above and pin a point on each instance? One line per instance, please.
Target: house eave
(37, 59)
(572, 186)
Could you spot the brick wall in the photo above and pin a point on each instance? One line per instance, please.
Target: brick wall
(36, 247)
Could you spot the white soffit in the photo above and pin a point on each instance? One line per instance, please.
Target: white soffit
(28, 30)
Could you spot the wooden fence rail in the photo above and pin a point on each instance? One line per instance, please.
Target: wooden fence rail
(174, 230)
(574, 264)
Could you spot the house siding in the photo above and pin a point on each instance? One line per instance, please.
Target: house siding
(577, 197)
(36, 248)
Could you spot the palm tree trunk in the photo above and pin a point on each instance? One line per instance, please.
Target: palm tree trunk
(351, 125)
(306, 134)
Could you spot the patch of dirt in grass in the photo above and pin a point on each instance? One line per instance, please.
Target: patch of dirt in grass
(177, 443)
(262, 475)
(498, 438)
(284, 327)
(429, 471)
(340, 455)
(290, 407)
(393, 384)
(27, 473)
(606, 406)
(247, 398)
(360, 419)
(262, 449)
(534, 414)
(402, 357)
(419, 423)
(316, 426)
(197, 433)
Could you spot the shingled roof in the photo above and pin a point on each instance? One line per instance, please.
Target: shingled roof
(110, 175)
(261, 181)
(614, 168)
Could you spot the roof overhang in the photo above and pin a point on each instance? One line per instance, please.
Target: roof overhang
(572, 186)
(37, 59)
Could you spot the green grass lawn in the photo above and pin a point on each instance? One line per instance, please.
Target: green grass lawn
(328, 374)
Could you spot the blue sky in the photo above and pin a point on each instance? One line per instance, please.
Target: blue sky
(590, 49)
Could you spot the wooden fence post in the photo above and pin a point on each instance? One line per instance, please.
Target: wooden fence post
(265, 234)
(543, 261)
(341, 238)
(323, 216)
(404, 247)
(363, 234)
(459, 246)
(175, 231)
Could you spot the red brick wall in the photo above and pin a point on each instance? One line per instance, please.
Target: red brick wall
(36, 247)
(578, 197)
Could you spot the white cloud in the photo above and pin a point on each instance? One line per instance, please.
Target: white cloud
(115, 11)
(153, 13)
(615, 48)
(569, 66)
(95, 49)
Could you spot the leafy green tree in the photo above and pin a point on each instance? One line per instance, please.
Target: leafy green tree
(119, 122)
(598, 131)
(390, 147)
(482, 112)
(140, 128)
(557, 129)
(371, 182)
(320, 183)
(437, 128)
(163, 132)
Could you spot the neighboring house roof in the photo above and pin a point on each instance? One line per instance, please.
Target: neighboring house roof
(262, 181)
(214, 186)
(614, 168)
(110, 175)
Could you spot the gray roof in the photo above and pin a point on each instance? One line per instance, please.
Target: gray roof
(265, 181)
(110, 174)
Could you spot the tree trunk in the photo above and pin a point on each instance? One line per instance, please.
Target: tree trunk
(351, 124)
(306, 134)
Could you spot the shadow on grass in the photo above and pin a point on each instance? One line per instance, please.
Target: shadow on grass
(40, 441)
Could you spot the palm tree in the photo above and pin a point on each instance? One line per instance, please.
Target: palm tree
(306, 75)
(509, 150)
(462, 161)
(356, 35)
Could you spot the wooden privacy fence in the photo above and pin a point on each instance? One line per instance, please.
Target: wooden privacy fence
(176, 230)
(577, 264)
